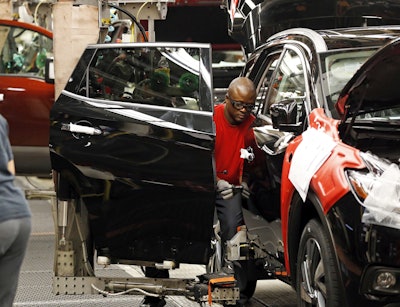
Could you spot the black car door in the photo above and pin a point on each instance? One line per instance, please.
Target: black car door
(134, 125)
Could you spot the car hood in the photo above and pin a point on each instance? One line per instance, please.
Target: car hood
(375, 86)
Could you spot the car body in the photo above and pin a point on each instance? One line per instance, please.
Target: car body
(26, 97)
(131, 144)
(317, 176)
(252, 22)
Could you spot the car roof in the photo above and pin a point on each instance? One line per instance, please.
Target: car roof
(341, 38)
(25, 25)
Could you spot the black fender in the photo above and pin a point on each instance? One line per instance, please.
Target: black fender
(299, 214)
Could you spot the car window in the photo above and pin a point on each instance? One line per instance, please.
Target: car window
(249, 70)
(289, 79)
(145, 76)
(260, 68)
(171, 83)
(23, 51)
(288, 82)
(268, 69)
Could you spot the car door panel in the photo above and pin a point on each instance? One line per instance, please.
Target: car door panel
(155, 171)
(33, 99)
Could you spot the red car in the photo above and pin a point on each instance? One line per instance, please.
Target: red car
(25, 96)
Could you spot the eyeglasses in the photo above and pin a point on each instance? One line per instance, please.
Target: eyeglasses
(240, 105)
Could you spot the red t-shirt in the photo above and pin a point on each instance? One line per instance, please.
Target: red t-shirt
(228, 142)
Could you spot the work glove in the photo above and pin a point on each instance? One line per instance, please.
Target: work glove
(245, 190)
(225, 189)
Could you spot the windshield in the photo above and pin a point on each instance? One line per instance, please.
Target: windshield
(374, 94)
(337, 69)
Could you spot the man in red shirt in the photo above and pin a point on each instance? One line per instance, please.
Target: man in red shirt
(234, 133)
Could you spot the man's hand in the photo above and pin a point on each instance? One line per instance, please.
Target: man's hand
(245, 190)
(225, 189)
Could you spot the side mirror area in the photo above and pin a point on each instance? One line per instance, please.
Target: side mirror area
(49, 71)
(288, 116)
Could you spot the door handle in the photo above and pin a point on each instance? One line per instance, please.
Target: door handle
(1, 97)
(81, 129)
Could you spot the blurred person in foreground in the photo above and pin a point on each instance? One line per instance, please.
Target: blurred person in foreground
(15, 222)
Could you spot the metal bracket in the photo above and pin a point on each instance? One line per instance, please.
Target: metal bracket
(65, 263)
(227, 295)
(234, 245)
(76, 285)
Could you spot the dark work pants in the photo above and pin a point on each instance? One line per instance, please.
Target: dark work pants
(14, 237)
(230, 215)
